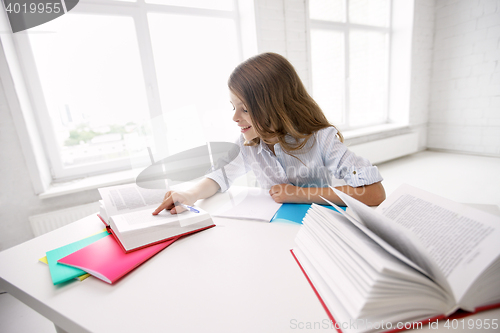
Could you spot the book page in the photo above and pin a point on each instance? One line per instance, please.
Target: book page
(251, 203)
(348, 265)
(382, 243)
(461, 240)
(129, 198)
(361, 245)
(138, 220)
(398, 237)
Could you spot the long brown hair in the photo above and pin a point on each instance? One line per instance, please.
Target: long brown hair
(277, 101)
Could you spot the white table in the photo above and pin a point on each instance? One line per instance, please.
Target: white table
(236, 277)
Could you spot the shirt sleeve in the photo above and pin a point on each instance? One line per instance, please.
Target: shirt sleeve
(229, 167)
(342, 163)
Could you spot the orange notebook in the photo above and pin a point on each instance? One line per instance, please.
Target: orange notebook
(106, 260)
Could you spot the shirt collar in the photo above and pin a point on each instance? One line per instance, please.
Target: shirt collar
(261, 146)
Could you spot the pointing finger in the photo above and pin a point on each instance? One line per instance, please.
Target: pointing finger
(168, 202)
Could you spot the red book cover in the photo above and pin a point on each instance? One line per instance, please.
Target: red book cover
(106, 260)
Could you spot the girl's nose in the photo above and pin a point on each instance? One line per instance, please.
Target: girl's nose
(236, 116)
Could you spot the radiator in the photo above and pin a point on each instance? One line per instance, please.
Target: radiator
(379, 151)
(43, 223)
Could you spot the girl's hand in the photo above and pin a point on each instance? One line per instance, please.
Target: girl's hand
(173, 197)
(284, 193)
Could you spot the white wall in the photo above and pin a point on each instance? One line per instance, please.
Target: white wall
(465, 98)
(16, 195)
(281, 28)
(421, 67)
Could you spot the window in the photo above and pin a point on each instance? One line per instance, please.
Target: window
(350, 43)
(113, 77)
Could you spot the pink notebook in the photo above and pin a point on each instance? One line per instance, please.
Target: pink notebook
(106, 260)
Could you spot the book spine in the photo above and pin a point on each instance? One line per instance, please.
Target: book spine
(334, 322)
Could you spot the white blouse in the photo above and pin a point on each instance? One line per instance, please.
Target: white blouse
(320, 163)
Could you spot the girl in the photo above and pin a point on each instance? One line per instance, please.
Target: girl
(286, 140)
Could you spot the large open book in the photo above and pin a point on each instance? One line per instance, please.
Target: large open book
(416, 257)
(127, 212)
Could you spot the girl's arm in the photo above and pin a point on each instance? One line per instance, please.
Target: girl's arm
(204, 189)
(371, 195)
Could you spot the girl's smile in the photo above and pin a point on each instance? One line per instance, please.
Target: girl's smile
(244, 129)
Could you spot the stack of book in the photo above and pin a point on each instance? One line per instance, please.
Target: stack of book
(132, 236)
(416, 258)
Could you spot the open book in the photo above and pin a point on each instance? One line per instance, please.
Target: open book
(253, 203)
(248, 203)
(127, 212)
(417, 257)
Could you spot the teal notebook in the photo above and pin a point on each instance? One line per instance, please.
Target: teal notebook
(295, 213)
(62, 273)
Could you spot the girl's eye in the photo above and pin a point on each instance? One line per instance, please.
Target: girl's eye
(245, 111)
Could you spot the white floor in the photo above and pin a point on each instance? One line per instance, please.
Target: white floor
(463, 178)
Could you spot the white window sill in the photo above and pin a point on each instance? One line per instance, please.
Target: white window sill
(90, 183)
(128, 176)
(351, 134)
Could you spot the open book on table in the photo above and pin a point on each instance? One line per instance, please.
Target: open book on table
(127, 212)
(417, 257)
(253, 203)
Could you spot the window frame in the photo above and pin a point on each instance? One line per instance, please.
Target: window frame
(138, 11)
(345, 28)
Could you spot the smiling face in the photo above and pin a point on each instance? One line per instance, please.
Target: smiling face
(242, 118)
